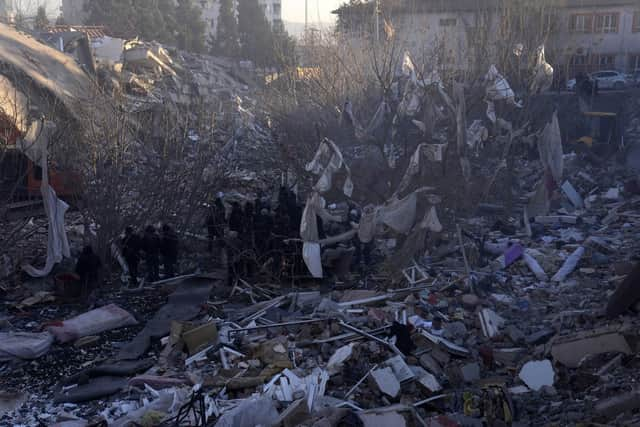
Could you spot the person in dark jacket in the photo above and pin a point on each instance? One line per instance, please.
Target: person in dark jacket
(263, 228)
(169, 250)
(88, 268)
(216, 221)
(131, 246)
(151, 247)
(248, 225)
(235, 218)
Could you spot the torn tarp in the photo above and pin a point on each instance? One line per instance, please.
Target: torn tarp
(398, 214)
(433, 153)
(314, 208)
(313, 259)
(378, 118)
(34, 145)
(497, 89)
(550, 149)
(328, 161)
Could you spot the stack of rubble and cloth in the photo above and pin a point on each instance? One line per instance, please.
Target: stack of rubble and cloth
(529, 320)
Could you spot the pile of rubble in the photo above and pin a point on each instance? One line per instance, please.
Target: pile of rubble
(508, 326)
(156, 81)
(508, 315)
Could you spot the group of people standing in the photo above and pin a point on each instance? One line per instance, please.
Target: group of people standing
(256, 225)
(154, 247)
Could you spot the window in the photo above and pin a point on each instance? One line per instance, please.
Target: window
(581, 23)
(605, 61)
(579, 60)
(607, 23)
(634, 62)
(635, 28)
(277, 9)
(448, 22)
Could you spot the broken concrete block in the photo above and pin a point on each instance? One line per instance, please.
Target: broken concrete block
(470, 372)
(338, 358)
(200, 337)
(386, 381)
(571, 350)
(470, 300)
(400, 368)
(617, 405)
(515, 335)
(537, 374)
(431, 365)
(425, 379)
(569, 265)
(294, 415)
(572, 195)
(430, 382)
(626, 294)
(508, 356)
(490, 322)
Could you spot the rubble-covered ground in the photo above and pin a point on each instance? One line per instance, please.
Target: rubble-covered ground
(520, 310)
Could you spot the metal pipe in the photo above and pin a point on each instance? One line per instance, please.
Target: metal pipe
(371, 337)
(276, 325)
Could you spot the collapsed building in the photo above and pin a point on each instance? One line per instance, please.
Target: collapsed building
(487, 304)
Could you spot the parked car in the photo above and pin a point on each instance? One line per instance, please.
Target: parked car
(634, 78)
(607, 79)
(610, 79)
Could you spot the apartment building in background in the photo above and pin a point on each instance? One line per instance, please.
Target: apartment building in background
(587, 35)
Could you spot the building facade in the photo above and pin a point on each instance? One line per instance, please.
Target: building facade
(598, 35)
(580, 35)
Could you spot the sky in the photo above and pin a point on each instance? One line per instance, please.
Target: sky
(293, 10)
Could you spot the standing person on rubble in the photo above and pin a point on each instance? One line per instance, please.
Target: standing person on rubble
(263, 227)
(151, 247)
(169, 250)
(88, 268)
(363, 251)
(216, 221)
(248, 225)
(131, 246)
(235, 218)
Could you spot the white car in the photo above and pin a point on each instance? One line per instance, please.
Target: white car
(608, 79)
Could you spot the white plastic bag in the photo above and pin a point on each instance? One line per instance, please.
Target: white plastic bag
(93, 322)
(22, 345)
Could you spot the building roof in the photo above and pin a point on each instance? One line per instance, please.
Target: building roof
(92, 31)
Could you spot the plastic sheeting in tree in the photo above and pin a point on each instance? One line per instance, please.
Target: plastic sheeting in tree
(550, 149)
